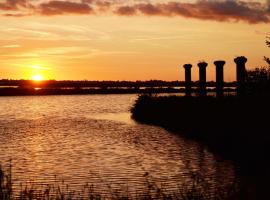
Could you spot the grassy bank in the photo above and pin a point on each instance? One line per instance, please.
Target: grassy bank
(235, 127)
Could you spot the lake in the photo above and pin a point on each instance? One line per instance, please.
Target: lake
(92, 139)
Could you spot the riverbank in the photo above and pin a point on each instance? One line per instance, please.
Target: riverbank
(237, 128)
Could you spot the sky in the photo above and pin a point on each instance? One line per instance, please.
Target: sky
(129, 39)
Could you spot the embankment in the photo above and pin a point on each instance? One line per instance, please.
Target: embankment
(237, 128)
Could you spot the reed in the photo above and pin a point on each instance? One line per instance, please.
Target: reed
(196, 189)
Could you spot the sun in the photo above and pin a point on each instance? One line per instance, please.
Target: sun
(37, 77)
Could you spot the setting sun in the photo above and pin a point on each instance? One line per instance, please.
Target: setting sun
(37, 77)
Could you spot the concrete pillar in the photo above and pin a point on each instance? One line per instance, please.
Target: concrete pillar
(219, 77)
(202, 74)
(188, 79)
(241, 75)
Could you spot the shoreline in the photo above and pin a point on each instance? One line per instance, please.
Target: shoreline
(231, 126)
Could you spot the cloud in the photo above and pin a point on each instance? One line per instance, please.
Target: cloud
(41, 32)
(37, 67)
(46, 52)
(126, 10)
(13, 4)
(216, 10)
(64, 7)
(225, 10)
(12, 46)
(15, 15)
(103, 5)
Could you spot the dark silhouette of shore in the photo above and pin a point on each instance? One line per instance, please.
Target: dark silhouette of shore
(231, 127)
(236, 126)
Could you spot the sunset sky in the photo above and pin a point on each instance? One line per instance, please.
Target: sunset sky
(129, 39)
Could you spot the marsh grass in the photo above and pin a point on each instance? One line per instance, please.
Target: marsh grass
(5, 184)
(195, 189)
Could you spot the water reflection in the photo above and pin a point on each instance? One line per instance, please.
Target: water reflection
(92, 139)
(119, 117)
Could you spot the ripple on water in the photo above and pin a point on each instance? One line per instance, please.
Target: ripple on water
(92, 139)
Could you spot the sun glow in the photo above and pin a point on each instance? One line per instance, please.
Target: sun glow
(37, 77)
(38, 73)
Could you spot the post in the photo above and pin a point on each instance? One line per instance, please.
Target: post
(188, 79)
(202, 73)
(241, 75)
(219, 77)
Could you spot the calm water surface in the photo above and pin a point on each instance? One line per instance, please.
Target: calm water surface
(91, 138)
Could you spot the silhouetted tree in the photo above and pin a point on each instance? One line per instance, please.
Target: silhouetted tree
(268, 44)
(258, 80)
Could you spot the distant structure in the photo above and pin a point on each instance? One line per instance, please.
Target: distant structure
(188, 79)
(202, 75)
(241, 74)
(219, 77)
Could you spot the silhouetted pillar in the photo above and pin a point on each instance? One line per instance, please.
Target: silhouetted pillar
(240, 74)
(219, 77)
(188, 79)
(202, 73)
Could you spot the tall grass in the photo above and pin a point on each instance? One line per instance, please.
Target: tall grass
(197, 189)
(5, 184)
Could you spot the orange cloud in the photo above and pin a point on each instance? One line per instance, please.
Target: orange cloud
(64, 7)
(13, 4)
(222, 10)
(204, 9)
(126, 10)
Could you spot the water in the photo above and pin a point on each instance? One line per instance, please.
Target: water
(91, 138)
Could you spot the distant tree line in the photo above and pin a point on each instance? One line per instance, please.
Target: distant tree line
(101, 84)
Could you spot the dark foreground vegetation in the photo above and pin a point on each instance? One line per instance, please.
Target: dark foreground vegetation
(198, 188)
(236, 127)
